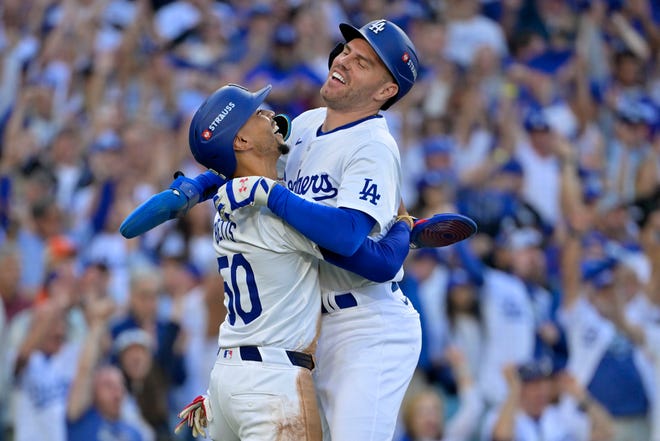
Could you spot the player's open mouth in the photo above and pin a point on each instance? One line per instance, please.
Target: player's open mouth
(337, 76)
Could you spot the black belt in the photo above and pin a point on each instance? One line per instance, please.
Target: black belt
(251, 353)
(343, 301)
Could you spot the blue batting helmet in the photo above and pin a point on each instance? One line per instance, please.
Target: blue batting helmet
(392, 46)
(216, 123)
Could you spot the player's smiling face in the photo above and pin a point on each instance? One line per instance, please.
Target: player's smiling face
(357, 79)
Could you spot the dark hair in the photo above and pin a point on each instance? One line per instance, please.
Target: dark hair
(474, 310)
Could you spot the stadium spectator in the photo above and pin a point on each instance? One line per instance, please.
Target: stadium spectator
(594, 315)
(423, 411)
(94, 406)
(528, 413)
(143, 313)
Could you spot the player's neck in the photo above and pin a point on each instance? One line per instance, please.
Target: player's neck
(257, 167)
(338, 118)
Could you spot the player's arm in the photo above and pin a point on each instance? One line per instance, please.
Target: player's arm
(183, 194)
(339, 230)
(98, 310)
(174, 202)
(378, 261)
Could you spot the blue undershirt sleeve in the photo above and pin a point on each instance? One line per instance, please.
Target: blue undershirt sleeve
(104, 205)
(209, 183)
(377, 261)
(471, 263)
(340, 230)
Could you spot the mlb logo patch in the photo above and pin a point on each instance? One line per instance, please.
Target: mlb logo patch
(206, 134)
(405, 57)
(227, 353)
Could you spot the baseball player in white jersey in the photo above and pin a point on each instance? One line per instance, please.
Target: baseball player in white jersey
(261, 385)
(345, 160)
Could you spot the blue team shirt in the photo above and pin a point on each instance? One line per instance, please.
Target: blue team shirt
(91, 426)
(617, 383)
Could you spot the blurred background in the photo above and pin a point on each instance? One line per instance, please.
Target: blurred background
(524, 111)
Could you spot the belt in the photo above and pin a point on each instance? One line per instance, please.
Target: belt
(343, 301)
(301, 359)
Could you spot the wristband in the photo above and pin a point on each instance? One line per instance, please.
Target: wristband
(407, 219)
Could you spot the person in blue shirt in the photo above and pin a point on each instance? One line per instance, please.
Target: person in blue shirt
(102, 419)
(96, 397)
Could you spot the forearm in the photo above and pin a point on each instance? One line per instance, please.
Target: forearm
(208, 182)
(571, 273)
(631, 37)
(339, 230)
(634, 333)
(602, 427)
(377, 261)
(505, 423)
(182, 194)
(80, 395)
(40, 325)
(466, 418)
(570, 188)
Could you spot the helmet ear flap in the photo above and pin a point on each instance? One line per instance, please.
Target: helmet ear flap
(333, 54)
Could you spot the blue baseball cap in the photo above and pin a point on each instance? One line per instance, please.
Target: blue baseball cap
(512, 166)
(636, 112)
(536, 121)
(438, 144)
(459, 277)
(108, 141)
(550, 61)
(599, 272)
(535, 370)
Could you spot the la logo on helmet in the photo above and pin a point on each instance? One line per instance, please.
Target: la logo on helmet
(377, 26)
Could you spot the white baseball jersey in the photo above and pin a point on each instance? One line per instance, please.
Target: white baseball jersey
(589, 335)
(356, 167)
(509, 331)
(42, 390)
(366, 354)
(271, 281)
(273, 302)
(560, 422)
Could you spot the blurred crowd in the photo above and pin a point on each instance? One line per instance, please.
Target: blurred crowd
(540, 119)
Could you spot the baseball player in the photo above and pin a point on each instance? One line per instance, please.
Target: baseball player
(261, 385)
(345, 160)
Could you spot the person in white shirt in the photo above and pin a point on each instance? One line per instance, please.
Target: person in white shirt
(528, 413)
(468, 32)
(602, 350)
(44, 368)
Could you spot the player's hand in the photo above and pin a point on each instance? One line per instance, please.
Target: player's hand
(196, 415)
(239, 192)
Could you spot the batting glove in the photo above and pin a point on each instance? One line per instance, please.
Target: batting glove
(239, 192)
(196, 415)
